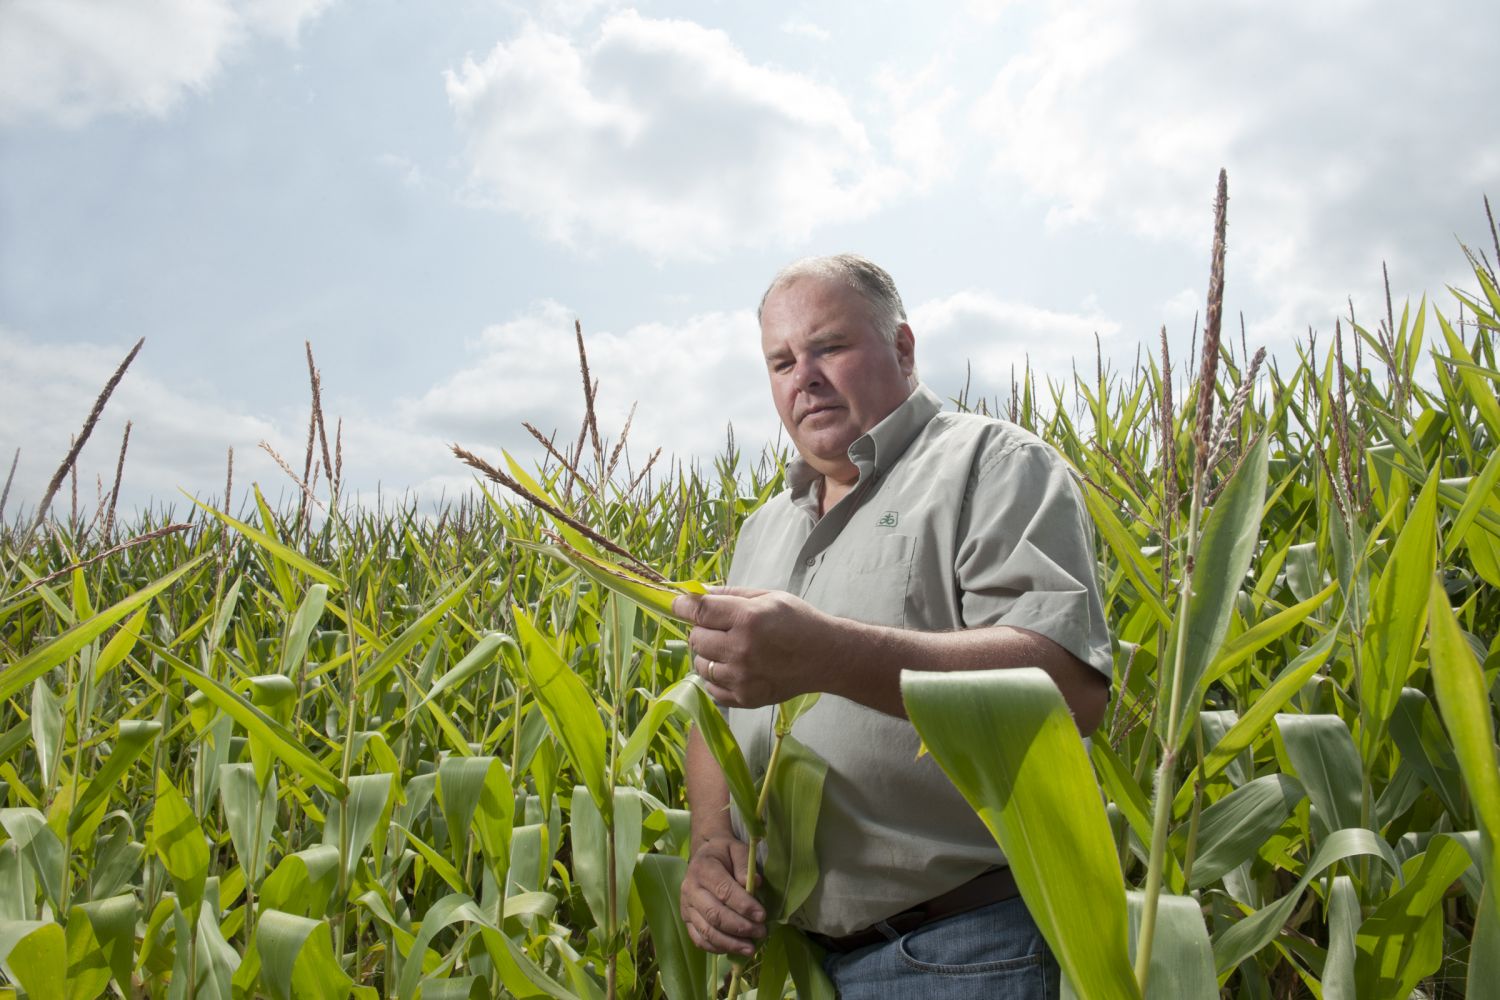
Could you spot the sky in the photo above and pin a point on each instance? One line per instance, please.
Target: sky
(432, 194)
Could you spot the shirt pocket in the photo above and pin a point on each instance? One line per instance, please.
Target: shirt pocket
(879, 576)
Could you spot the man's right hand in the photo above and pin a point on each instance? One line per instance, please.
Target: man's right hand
(720, 915)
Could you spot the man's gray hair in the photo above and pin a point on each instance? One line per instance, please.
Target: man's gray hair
(860, 273)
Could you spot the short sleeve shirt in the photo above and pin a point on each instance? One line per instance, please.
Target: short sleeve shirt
(957, 521)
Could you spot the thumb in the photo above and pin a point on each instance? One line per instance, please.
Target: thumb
(737, 591)
(685, 607)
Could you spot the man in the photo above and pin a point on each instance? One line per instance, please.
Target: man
(907, 539)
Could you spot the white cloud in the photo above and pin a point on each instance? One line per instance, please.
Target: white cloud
(689, 381)
(1122, 113)
(997, 336)
(179, 434)
(73, 60)
(799, 28)
(664, 136)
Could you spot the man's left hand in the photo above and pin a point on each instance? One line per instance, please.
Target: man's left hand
(753, 646)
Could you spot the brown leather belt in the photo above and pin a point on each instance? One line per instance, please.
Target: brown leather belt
(994, 886)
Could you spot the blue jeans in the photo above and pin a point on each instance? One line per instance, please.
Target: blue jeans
(994, 953)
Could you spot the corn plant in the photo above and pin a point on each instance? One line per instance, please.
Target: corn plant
(332, 748)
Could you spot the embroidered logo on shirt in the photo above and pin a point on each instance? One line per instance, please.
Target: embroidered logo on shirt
(887, 520)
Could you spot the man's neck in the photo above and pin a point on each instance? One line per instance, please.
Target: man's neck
(831, 491)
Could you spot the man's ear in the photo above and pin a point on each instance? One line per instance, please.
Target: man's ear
(906, 349)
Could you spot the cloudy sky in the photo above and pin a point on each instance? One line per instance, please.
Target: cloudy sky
(432, 193)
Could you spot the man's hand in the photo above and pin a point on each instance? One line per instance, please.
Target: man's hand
(753, 646)
(720, 915)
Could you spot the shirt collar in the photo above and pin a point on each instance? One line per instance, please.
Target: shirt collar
(874, 451)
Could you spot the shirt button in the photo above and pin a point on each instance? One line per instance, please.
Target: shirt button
(812, 560)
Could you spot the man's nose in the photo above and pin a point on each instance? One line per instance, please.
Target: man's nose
(807, 374)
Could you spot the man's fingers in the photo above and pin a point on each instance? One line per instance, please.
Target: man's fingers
(711, 939)
(737, 591)
(720, 611)
(685, 607)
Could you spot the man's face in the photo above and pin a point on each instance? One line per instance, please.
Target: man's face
(833, 376)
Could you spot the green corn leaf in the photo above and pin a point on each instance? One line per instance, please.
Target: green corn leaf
(494, 817)
(297, 958)
(1251, 641)
(1121, 788)
(250, 814)
(590, 852)
(805, 963)
(260, 726)
(1182, 959)
(688, 698)
(568, 706)
(41, 848)
(1398, 613)
(450, 910)
(42, 659)
(283, 554)
(1234, 828)
(365, 810)
(520, 976)
(215, 960)
(1243, 939)
(1323, 753)
(413, 634)
(1145, 577)
(1255, 720)
(684, 966)
(436, 861)
(1425, 748)
(1484, 949)
(1483, 397)
(299, 630)
(132, 737)
(1223, 558)
(177, 839)
(481, 656)
(791, 864)
(1344, 917)
(302, 883)
(36, 952)
(46, 733)
(1462, 694)
(1402, 941)
(113, 921)
(1007, 741)
(460, 785)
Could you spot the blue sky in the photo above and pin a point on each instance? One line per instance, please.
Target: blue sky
(432, 193)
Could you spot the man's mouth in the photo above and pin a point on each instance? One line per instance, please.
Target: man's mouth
(813, 411)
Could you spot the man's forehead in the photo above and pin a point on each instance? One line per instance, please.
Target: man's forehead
(823, 301)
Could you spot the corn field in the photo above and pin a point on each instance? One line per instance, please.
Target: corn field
(336, 750)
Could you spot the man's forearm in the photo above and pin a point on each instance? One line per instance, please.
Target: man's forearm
(758, 648)
(707, 793)
(864, 663)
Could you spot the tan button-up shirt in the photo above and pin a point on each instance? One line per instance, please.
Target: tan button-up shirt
(957, 521)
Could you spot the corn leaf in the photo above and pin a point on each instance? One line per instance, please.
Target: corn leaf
(569, 708)
(791, 863)
(260, 726)
(1223, 559)
(1182, 958)
(684, 966)
(1248, 936)
(42, 659)
(1007, 741)
(1463, 699)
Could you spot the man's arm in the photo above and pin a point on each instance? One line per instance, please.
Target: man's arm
(761, 643)
(720, 915)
